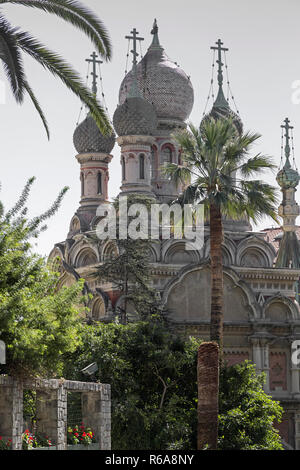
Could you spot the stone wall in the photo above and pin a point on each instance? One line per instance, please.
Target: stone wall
(52, 409)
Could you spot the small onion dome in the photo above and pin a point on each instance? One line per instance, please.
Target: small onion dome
(88, 138)
(221, 109)
(218, 113)
(135, 116)
(287, 177)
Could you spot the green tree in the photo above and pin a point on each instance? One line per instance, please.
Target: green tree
(129, 268)
(153, 382)
(218, 173)
(14, 42)
(38, 323)
(153, 377)
(247, 414)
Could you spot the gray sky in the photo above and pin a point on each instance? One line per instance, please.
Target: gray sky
(263, 38)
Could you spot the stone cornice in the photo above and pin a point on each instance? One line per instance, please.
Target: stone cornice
(94, 157)
(284, 274)
(135, 139)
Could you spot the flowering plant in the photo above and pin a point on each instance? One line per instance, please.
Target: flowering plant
(5, 445)
(43, 441)
(28, 440)
(81, 435)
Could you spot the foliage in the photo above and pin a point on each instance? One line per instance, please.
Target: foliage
(5, 445)
(129, 269)
(80, 435)
(153, 377)
(38, 323)
(247, 413)
(14, 42)
(152, 374)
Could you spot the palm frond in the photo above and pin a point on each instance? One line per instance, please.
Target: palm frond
(11, 59)
(78, 15)
(178, 173)
(61, 69)
(213, 154)
(257, 164)
(37, 107)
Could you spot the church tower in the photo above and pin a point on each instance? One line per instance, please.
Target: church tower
(94, 155)
(168, 89)
(288, 179)
(135, 122)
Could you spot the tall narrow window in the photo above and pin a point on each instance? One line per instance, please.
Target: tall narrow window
(142, 166)
(123, 168)
(153, 163)
(82, 184)
(166, 156)
(99, 182)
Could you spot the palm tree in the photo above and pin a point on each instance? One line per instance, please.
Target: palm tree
(211, 157)
(14, 42)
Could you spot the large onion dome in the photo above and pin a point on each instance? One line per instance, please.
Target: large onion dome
(162, 83)
(88, 138)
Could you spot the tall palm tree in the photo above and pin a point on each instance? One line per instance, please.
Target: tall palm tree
(14, 42)
(212, 156)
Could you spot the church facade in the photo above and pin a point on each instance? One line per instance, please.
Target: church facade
(261, 269)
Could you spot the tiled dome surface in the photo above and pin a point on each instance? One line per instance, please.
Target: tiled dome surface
(163, 84)
(135, 116)
(88, 138)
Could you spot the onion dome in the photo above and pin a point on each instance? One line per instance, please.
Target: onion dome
(287, 177)
(162, 82)
(221, 108)
(135, 116)
(88, 138)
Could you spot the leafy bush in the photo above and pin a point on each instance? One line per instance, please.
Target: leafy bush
(247, 413)
(153, 377)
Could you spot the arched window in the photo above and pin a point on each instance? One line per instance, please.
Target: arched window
(166, 156)
(86, 257)
(82, 183)
(123, 168)
(142, 166)
(99, 183)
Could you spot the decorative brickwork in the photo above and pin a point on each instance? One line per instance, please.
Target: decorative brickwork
(231, 358)
(283, 427)
(278, 370)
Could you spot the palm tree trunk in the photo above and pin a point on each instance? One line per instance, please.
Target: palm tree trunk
(208, 395)
(217, 288)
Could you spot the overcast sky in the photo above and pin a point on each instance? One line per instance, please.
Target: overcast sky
(263, 38)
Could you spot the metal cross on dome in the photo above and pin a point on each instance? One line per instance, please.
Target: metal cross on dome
(219, 48)
(287, 127)
(134, 38)
(94, 61)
